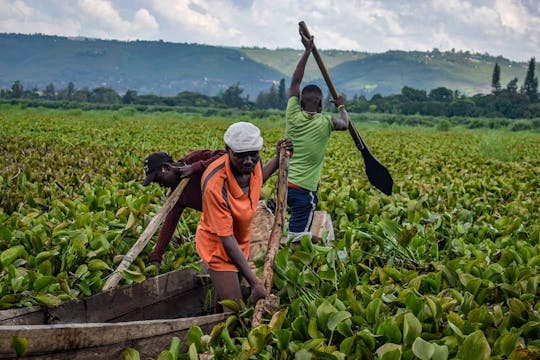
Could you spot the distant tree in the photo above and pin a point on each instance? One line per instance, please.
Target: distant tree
(273, 97)
(104, 95)
(82, 95)
(129, 97)
(441, 94)
(17, 90)
(462, 107)
(49, 93)
(530, 86)
(282, 94)
(358, 104)
(512, 86)
(5, 93)
(70, 91)
(496, 79)
(262, 100)
(31, 94)
(232, 96)
(412, 94)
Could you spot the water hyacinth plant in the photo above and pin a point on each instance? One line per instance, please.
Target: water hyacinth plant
(447, 267)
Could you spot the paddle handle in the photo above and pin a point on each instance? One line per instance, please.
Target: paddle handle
(359, 142)
(275, 234)
(139, 245)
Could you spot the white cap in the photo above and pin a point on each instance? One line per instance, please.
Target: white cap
(242, 137)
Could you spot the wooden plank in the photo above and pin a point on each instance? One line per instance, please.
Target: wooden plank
(108, 305)
(192, 303)
(148, 348)
(23, 316)
(113, 304)
(322, 224)
(51, 339)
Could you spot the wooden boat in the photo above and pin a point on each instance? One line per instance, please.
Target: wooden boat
(143, 316)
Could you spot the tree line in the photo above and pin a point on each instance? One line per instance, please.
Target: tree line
(511, 101)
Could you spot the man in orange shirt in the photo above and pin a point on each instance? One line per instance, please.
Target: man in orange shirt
(231, 188)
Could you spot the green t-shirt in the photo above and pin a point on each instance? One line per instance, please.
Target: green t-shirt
(310, 135)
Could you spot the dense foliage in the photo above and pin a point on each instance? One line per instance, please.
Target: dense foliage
(508, 102)
(447, 267)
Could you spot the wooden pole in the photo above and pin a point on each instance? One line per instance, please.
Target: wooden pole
(275, 235)
(139, 245)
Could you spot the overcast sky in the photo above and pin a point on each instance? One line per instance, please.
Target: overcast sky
(510, 28)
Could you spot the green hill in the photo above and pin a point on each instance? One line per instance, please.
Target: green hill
(146, 66)
(168, 68)
(387, 73)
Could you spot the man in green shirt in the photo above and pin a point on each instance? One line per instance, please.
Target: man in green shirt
(310, 130)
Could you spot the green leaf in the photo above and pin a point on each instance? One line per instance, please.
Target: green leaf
(98, 264)
(303, 354)
(283, 338)
(389, 351)
(231, 304)
(257, 337)
(193, 354)
(508, 343)
(43, 282)
(423, 349)
(313, 331)
(19, 345)
(389, 330)
(347, 345)
(174, 349)
(412, 328)
(373, 310)
(130, 354)
(131, 223)
(337, 318)
(194, 337)
(277, 319)
(314, 343)
(165, 355)
(48, 299)
(475, 347)
(440, 353)
(323, 313)
(11, 254)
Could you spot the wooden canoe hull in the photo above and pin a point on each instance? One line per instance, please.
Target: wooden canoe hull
(143, 316)
(102, 340)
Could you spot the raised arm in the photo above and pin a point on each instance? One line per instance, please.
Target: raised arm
(271, 166)
(342, 121)
(301, 66)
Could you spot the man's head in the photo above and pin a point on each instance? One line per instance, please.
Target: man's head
(312, 98)
(243, 142)
(153, 165)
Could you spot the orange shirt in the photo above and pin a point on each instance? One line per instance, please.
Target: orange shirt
(227, 210)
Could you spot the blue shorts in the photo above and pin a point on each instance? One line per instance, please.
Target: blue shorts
(302, 205)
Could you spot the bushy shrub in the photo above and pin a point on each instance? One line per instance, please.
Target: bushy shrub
(443, 125)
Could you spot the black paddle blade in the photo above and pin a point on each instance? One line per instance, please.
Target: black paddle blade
(377, 173)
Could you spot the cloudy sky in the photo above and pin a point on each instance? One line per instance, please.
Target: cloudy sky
(510, 28)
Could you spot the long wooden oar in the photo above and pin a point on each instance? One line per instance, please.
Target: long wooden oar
(139, 245)
(376, 172)
(275, 234)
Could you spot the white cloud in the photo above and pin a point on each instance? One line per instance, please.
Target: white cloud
(200, 17)
(16, 8)
(507, 27)
(104, 20)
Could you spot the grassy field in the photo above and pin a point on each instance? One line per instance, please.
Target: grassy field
(447, 267)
